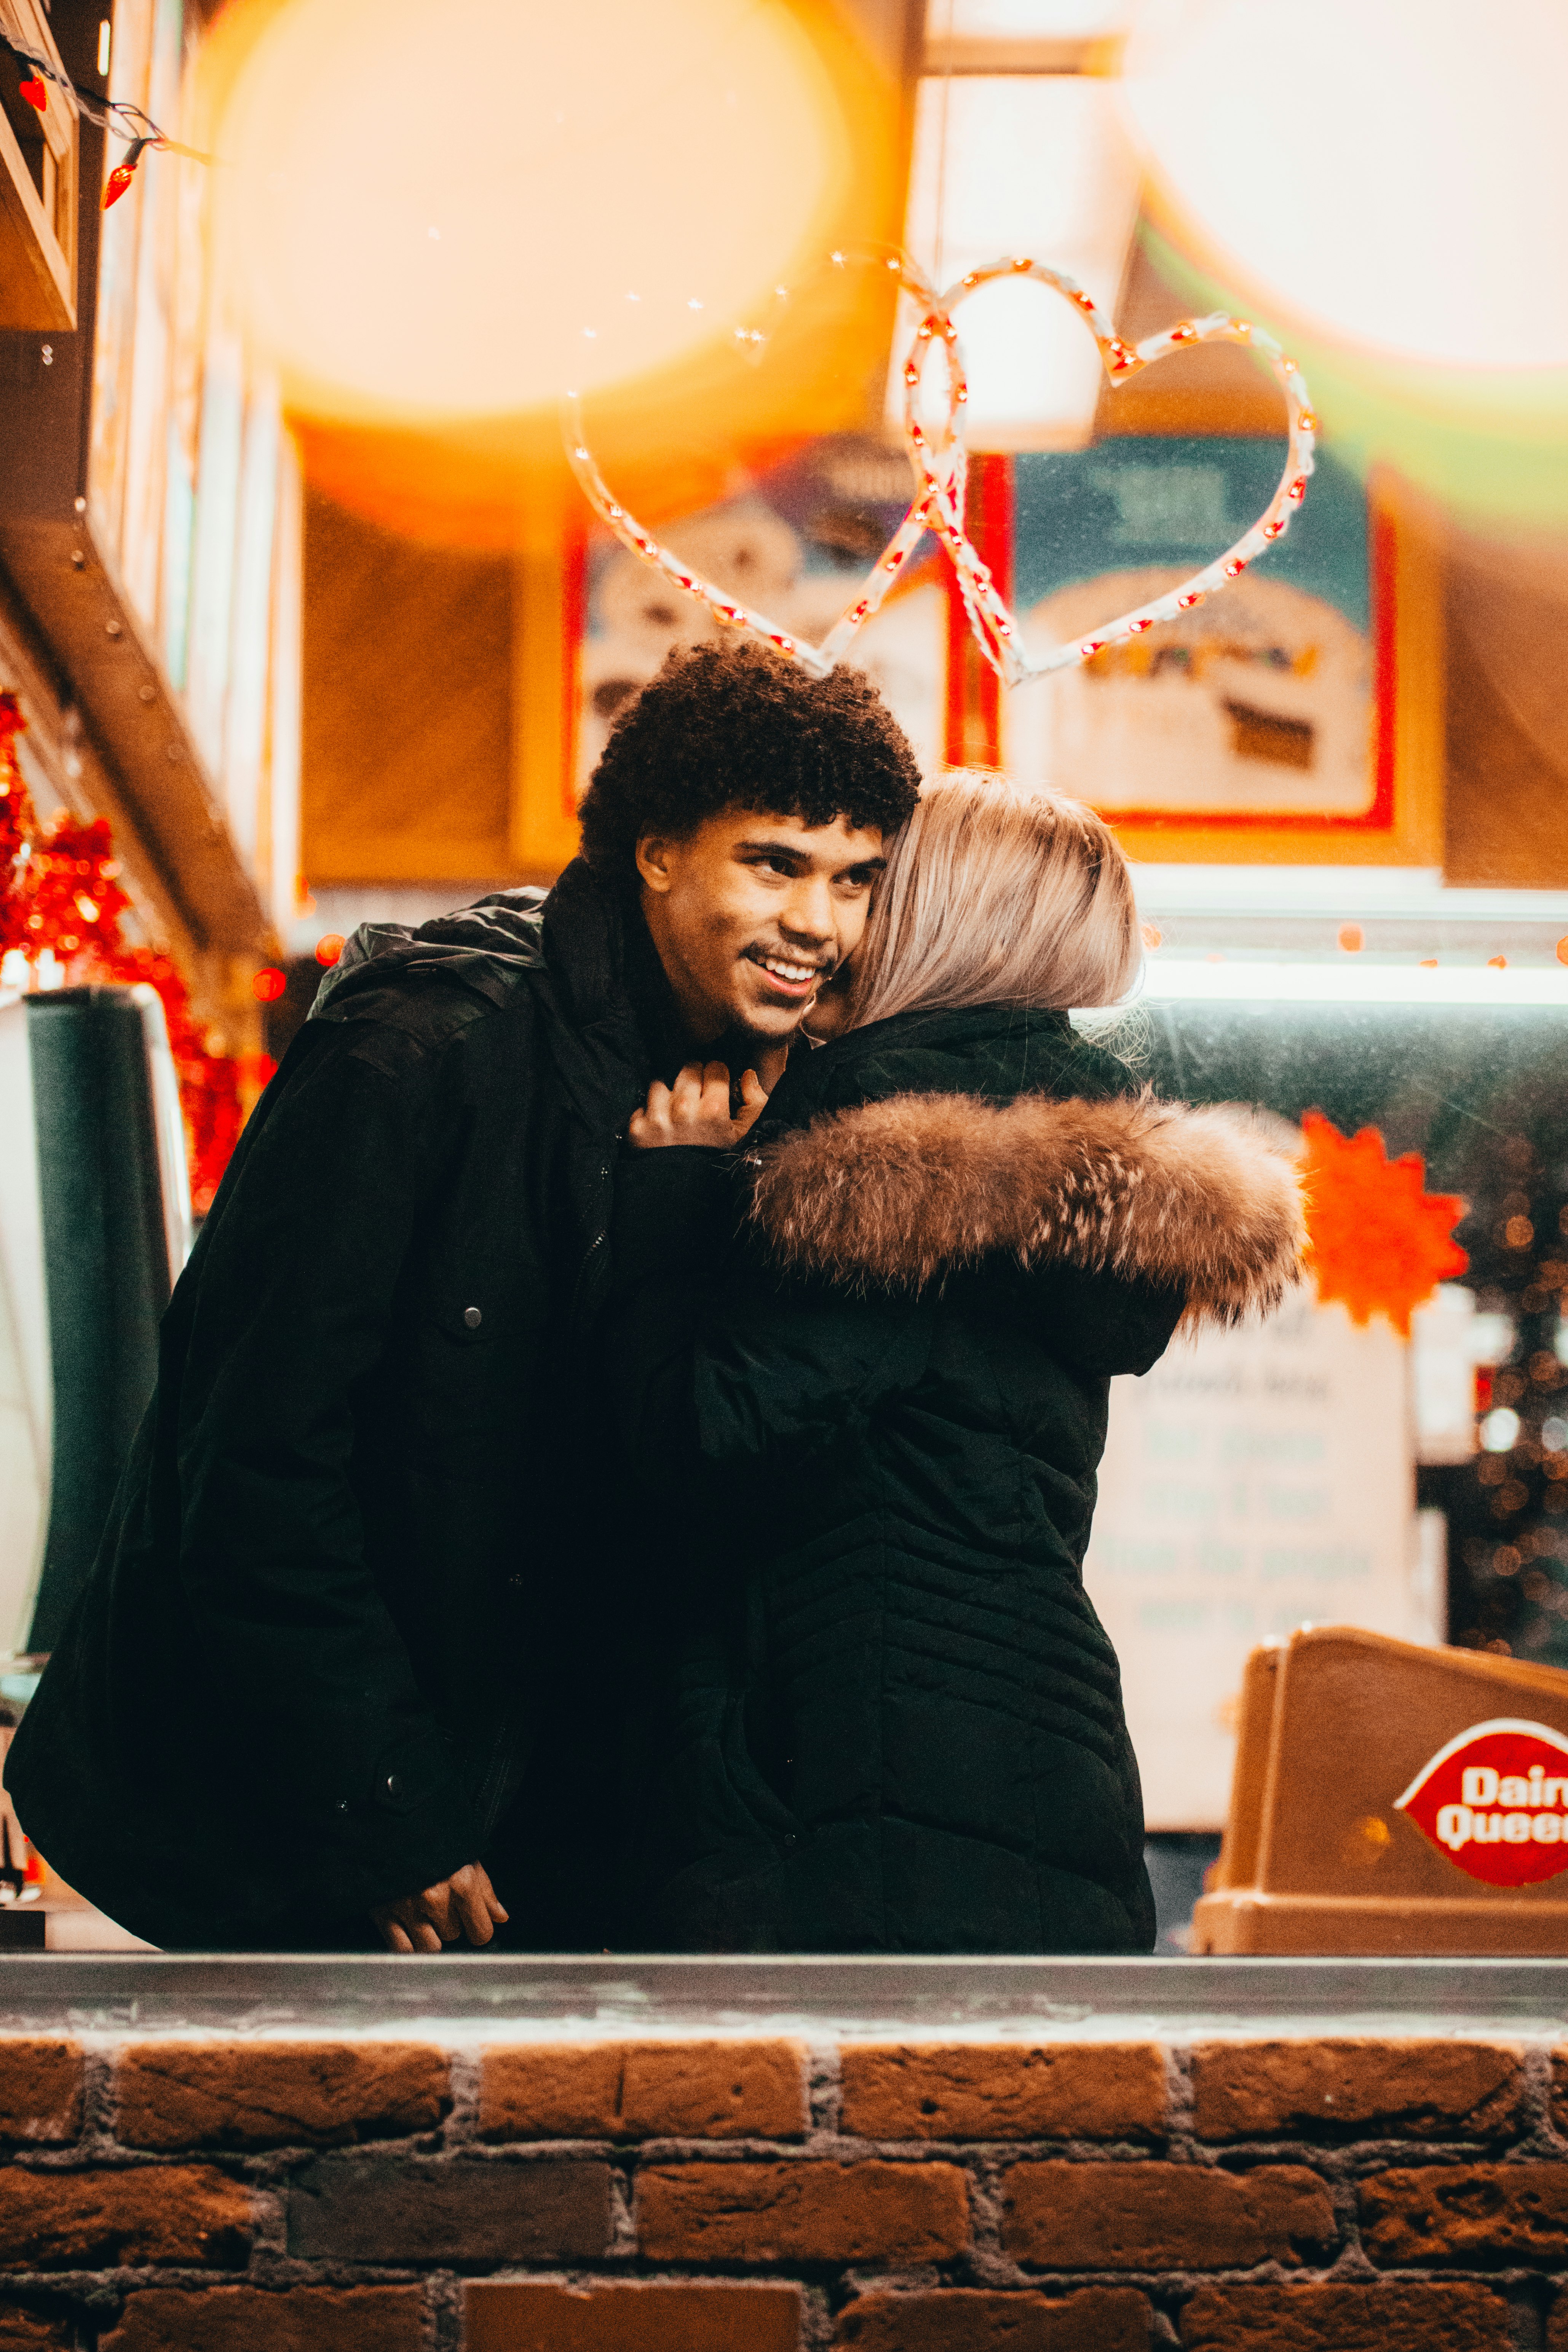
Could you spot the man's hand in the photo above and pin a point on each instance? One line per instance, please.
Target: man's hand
(464, 1904)
(695, 1110)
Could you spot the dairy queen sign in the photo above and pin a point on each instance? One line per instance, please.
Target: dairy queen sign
(1495, 1801)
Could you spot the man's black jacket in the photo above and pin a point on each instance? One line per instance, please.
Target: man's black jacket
(323, 1636)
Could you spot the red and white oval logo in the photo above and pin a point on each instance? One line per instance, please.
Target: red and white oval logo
(1495, 1801)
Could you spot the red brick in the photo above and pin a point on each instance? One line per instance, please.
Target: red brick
(627, 2315)
(277, 2094)
(251, 2320)
(1005, 2090)
(967, 2319)
(145, 2214)
(644, 2090)
(1377, 2089)
(1473, 2213)
(1151, 2217)
(803, 2212)
(424, 2209)
(1452, 2316)
(32, 2331)
(40, 2088)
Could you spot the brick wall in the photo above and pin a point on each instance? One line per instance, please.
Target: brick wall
(243, 2194)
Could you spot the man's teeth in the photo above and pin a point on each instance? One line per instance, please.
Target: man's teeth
(793, 971)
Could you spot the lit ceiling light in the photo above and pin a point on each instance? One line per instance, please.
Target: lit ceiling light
(1022, 36)
(1171, 981)
(1026, 165)
(1024, 20)
(567, 153)
(1397, 173)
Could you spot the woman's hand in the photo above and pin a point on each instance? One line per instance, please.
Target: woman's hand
(695, 1110)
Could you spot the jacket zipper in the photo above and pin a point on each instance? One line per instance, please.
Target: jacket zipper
(598, 1242)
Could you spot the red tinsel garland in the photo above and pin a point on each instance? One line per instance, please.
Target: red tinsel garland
(59, 890)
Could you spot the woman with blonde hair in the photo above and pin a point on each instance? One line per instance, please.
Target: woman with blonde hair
(878, 1711)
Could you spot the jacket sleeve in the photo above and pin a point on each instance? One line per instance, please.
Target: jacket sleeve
(290, 1309)
(710, 1357)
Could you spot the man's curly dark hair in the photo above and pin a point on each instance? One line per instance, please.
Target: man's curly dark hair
(726, 726)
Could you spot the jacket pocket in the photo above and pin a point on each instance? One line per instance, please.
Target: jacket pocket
(466, 1391)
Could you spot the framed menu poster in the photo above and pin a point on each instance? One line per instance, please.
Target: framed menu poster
(1292, 718)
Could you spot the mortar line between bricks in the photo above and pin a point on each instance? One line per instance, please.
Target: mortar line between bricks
(622, 2231)
(823, 2088)
(461, 2126)
(1539, 2134)
(1529, 2321)
(1181, 2143)
(444, 2312)
(97, 2102)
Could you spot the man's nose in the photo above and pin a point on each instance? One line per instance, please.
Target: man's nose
(807, 913)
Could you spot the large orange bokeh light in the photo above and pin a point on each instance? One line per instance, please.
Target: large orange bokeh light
(1394, 172)
(425, 213)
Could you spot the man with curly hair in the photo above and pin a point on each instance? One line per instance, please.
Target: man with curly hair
(343, 1655)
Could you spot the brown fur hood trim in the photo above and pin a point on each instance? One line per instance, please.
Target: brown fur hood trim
(894, 1194)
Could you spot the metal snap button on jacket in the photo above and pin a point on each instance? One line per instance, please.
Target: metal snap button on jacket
(472, 1317)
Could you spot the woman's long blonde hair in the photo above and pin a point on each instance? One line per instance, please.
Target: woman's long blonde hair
(997, 896)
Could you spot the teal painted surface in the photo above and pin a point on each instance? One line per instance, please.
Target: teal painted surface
(105, 1260)
(1144, 500)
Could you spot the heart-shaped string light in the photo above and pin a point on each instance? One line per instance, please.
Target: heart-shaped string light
(937, 453)
(937, 504)
(934, 457)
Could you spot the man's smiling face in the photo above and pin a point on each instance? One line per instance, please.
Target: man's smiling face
(751, 912)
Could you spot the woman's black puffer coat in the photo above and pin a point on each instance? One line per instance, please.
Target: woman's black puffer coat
(878, 1710)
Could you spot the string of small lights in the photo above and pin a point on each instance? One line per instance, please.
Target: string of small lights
(937, 454)
(943, 481)
(118, 116)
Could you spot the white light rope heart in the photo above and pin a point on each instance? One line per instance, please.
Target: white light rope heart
(938, 456)
(938, 505)
(937, 459)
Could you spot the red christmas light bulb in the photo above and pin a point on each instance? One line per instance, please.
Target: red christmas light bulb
(36, 94)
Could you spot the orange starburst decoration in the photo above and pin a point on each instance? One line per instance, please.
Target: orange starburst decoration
(1378, 1240)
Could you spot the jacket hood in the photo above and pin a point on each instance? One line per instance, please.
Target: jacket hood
(485, 946)
(894, 1194)
(573, 949)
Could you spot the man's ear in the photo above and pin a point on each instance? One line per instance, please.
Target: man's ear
(653, 857)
